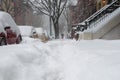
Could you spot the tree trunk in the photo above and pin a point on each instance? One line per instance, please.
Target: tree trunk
(56, 27)
(50, 25)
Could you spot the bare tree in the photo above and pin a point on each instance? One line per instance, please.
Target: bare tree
(7, 6)
(67, 17)
(20, 7)
(52, 8)
(14, 7)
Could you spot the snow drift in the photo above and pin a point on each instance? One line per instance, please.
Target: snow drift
(61, 60)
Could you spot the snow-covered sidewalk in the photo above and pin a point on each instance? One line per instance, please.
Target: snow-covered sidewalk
(61, 60)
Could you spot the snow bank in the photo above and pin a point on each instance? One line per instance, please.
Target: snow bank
(61, 60)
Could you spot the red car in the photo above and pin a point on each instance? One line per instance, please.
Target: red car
(9, 32)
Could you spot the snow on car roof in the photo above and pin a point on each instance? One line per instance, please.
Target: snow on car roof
(6, 19)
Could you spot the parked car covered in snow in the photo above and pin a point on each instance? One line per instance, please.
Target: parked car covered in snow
(27, 31)
(42, 34)
(9, 32)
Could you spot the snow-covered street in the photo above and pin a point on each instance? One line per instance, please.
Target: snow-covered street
(61, 60)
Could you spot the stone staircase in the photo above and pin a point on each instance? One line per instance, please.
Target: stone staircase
(102, 24)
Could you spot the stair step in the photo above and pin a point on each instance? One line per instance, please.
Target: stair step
(117, 5)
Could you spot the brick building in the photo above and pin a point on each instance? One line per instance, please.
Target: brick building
(23, 13)
(86, 8)
(82, 10)
(101, 3)
(19, 14)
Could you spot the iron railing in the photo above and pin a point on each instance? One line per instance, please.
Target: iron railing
(98, 16)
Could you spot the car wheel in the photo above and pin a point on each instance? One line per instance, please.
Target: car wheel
(3, 41)
(82, 29)
(19, 39)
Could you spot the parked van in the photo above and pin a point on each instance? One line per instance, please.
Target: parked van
(27, 31)
(9, 32)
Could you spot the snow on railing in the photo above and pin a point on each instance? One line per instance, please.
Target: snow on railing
(100, 11)
(101, 22)
(99, 16)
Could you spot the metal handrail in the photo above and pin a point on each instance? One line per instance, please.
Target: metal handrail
(100, 14)
(100, 11)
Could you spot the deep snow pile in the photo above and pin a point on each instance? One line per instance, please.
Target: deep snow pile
(61, 60)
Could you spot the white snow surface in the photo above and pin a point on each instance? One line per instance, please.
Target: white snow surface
(61, 60)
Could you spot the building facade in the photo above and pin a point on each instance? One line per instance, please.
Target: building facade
(82, 10)
(102, 3)
(86, 8)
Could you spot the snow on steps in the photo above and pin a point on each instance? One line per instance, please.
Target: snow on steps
(102, 27)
